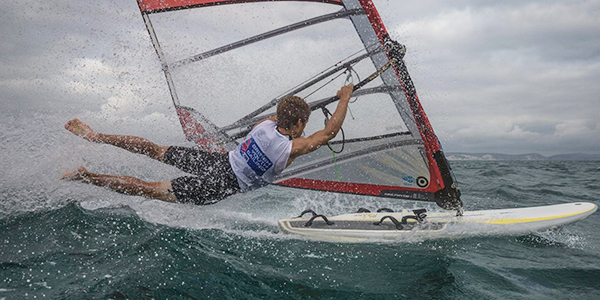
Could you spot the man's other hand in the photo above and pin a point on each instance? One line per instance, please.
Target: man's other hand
(345, 92)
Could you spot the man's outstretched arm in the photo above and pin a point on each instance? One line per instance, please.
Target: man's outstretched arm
(301, 146)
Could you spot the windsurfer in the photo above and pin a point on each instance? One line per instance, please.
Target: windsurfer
(267, 150)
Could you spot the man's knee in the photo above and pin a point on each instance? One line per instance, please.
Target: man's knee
(162, 190)
(160, 153)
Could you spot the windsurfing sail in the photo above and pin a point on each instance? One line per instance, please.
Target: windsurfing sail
(228, 62)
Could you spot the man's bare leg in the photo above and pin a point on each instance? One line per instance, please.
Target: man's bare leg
(125, 184)
(130, 143)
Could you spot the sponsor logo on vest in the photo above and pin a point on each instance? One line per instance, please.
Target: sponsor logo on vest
(255, 157)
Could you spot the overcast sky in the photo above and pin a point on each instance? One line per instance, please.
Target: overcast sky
(493, 76)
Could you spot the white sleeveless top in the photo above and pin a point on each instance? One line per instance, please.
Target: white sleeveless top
(261, 157)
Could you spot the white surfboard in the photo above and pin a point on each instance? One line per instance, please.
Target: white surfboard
(360, 227)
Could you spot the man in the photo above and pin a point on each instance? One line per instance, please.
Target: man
(268, 149)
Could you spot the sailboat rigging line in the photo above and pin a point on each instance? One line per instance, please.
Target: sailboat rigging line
(323, 85)
(327, 114)
(269, 34)
(302, 86)
(358, 77)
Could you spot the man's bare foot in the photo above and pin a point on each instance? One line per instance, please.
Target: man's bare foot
(80, 129)
(79, 174)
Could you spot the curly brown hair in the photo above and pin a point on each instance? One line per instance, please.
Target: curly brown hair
(290, 109)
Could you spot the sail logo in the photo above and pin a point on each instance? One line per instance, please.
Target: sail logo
(255, 157)
(408, 180)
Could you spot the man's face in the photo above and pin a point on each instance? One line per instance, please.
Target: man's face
(300, 126)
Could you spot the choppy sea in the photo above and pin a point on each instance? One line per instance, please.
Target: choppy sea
(65, 240)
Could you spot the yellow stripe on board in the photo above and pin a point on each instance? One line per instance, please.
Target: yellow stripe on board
(513, 221)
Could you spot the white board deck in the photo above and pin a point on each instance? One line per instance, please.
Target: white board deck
(358, 227)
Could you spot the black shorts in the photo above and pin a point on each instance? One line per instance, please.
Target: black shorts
(214, 178)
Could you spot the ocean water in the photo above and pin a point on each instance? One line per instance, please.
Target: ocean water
(65, 240)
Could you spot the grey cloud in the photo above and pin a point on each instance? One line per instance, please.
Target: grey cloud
(517, 76)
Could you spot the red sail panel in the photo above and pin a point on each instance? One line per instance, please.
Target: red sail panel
(151, 6)
(194, 130)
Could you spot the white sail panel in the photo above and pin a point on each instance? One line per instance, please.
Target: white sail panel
(230, 63)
